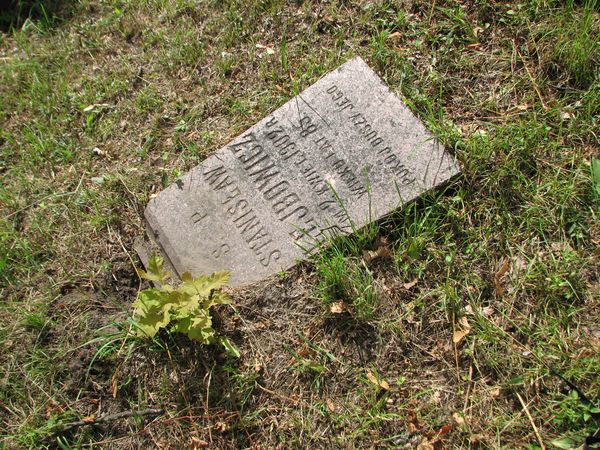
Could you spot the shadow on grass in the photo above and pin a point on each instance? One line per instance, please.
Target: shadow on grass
(14, 13)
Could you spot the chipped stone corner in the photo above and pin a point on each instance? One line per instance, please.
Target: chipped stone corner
(145, 248)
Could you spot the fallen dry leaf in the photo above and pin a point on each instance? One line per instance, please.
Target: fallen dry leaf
(381, 252)
(221, 426)
(51, 409)
(330, 405)
(410, 285)
(460, 420)
(378, 381)
(567, 115)
(498, 278)
(199, 443)
(304, 351)
(426, 445)
(445, 430)
(495, 392)
(88, 419)
(461, 332)
(338, 307)
(115, 384)
(269, 50)
(459, 335)
(487, 311)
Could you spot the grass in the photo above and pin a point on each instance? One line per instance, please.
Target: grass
(105, 103)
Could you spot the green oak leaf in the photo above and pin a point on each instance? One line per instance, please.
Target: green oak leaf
(198, 328)
(186, 307)
(152, 312)
(203, 286)
(155, 270)
(216, 298)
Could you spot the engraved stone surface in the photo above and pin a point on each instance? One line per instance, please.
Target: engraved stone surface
(344, 151)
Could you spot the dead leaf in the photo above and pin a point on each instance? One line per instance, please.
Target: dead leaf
(199, 443)
(330, 405)
(461, 332)
(566, 115)
(487, 311)
(411, 284)
(498, 277)
(88, 419)
(304, 352)
(459, 335)
(338, 307)
(381, 252)
(378, 381)
(115, 384)
(51, 409)
(395, 34)
(463, 322)
(221, 426)
(426, 445)
(445, 430)
(269, 50)
(460, 420)
(263, 324)
(476, 438)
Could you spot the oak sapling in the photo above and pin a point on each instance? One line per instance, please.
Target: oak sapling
(185, 308)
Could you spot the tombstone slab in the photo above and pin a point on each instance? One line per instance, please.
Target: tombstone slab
(344, 152)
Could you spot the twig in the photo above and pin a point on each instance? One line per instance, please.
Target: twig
(535, 430)
(111, 418)
(469, 388)
(535, 85)
(280, 396)
(207, 399)
(455, 344)
(431, 12)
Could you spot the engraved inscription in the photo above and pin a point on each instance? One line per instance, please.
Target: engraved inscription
(372, 136)
(284, 202)
(199, 215)
(343, 152)
(245, 219)
(221, 250)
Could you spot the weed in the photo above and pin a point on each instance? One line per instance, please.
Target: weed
(184, 309)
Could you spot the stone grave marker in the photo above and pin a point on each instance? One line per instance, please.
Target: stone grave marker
(343, 152)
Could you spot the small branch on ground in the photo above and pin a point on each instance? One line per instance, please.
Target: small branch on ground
(535, 429)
